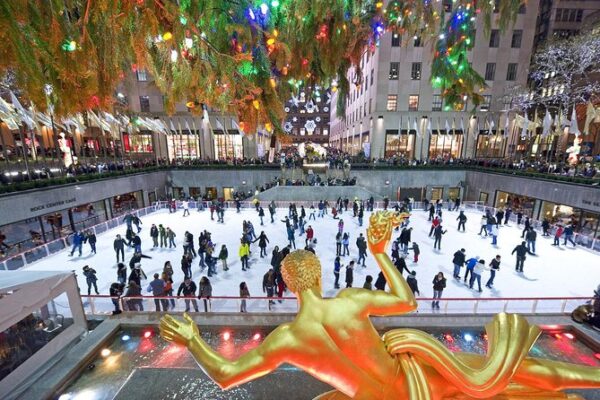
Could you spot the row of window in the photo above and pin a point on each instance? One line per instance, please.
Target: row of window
(515, 42)
(568, 15)
(436, 103)
(490, 71)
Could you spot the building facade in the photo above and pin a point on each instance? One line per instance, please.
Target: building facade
(396, 112)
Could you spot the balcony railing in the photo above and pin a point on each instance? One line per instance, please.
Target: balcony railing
(99, 305)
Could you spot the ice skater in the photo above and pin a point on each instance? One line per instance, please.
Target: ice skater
(462, 219)
(494, 267)
(186, 207)
(119, 246)
(78, 239)
(91, 279)
(522, 252)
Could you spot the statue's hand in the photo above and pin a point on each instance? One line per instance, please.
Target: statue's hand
(379, 232)
(177, 331)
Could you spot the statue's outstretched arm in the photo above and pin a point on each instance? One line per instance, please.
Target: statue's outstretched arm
(400, 298)
(253, 364)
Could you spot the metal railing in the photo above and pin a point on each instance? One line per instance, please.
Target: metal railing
(34, 254)
(103, 305)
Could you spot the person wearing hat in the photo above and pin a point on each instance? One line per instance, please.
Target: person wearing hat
(91, 279)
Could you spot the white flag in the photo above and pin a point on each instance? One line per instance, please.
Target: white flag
(220, 125)
(187, 126)
(429, 126)
(573, 128)
(546, 124)
(525, 127)
(172, 126)
(590, 115)
(446, 126)
(506, 125)
(236, 125)
(492, 125)
(462, 126)
(416, 127)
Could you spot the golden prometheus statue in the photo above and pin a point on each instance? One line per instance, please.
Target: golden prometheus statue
(334, 341)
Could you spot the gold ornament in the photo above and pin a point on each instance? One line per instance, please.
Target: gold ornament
(335, 341)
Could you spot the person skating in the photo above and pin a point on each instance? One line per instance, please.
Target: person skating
(78, 239)
(411, 280)
(431, 212)
(119, 246)
(128, 219)
(311, 213)
(186, 265)
(531, 237)
(154, 235)
(557, 235)
(361, 214)
(349, 274)
(244, 294)
(368, 282)
(380, 282)
(470, 264)
(310, 233)
(416, 252)
(458, 261)
(137, 274)
(439, 284)
(545, 227)
(494, 267)
(272, 211)
(499, 216)
(137, 258)
(168, 270)
(205, 292)
(137, 222)
(171, 236)
(268, 285)
(134, 297)
(91, 279)
(483, 223)
(507, 215)
(521, 251)
(90, 238)
(569, 235)
(341, 226)
(400, 265)
(361, 244)
(263, 240)
(157, 287)
(462, 219)
(168, 287)
(186, 207)
(121, 273)
(189, 238)
(519, 216)
(439, 231)
(405, 238)
(476, 274)
(527, 225)
(116, 291)
(136, 242)
(291, 236)
(188, 289)
(337, 266)
(494, 233)
(261, 215)
(345, 244)
(434, 224)
(223, 254)
(244, 253)
(162, 234)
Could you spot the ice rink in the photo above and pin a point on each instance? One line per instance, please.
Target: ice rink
(552, 272)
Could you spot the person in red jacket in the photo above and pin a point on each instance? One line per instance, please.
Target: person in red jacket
(434, 224)
(310, 233)
(557, 235)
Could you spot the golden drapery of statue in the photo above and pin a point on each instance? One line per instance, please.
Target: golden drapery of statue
(334, 340)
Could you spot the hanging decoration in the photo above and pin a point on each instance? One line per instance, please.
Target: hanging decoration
(232, 56)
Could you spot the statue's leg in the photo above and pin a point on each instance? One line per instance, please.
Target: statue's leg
(510, 338)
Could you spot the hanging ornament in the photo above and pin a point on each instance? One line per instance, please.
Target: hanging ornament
(310, 107)
(318, 119)
(288, 126)
(310, 126)
(286, 109)
(69, 45)
(167, 36)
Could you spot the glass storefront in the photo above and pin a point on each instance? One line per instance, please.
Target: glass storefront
(490, 145)
(584, 222)
(402, 145)
(453, 193)
(228, 145)
(228, 193)
(516, 202)
(138, 143)
(483, 197)
(437, 193)
(183, 145)
(126, 202)
(445, 146)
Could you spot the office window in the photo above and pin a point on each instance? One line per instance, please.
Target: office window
(413, 102)
(372, 73)
(436, 104)
(495, 38)
(142, 75)
(516, 39)
(486, 103)
(370, 103)
(572, 15)
(490, 71)
(144, 104)
(511, 73)
(522, 9)
(417, 41)
(365, 108)
(396, 39)
(415, 71)
(558, 16)
(394, 67)
(496, 6)
(366, 83)
(392, 102)
(579, 15)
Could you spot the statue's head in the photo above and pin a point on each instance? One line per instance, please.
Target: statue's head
(301, 270)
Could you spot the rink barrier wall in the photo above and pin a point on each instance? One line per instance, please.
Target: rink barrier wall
(102, 305)
(37, 253)
(34, 254)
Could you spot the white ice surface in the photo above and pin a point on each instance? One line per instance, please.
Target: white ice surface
(553, 272)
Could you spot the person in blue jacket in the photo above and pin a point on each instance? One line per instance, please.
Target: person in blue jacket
(78, 239)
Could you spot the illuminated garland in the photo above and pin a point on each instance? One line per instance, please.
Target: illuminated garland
(244, 57)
